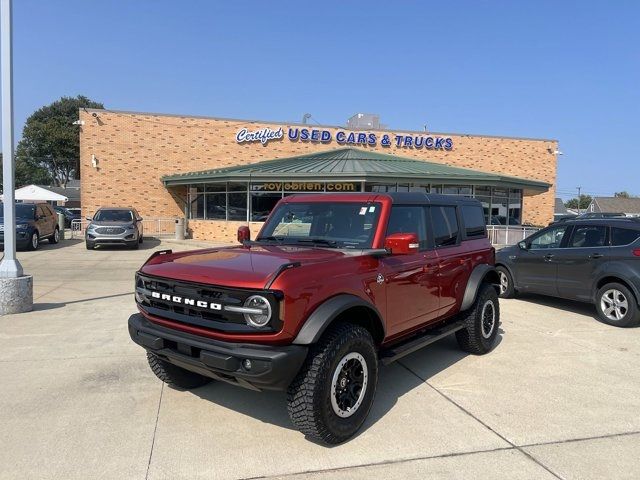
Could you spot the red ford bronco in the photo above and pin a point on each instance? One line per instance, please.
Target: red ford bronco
(332, 286)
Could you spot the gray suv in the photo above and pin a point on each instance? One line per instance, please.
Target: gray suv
(595, 261)
(114, 226)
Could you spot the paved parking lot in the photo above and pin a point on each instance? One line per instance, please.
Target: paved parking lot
(558, 398)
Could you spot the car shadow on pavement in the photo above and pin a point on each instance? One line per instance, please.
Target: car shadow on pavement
(50, 306)
(394, 381)
(571, 306)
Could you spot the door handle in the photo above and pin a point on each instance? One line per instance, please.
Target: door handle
(548, 257)
(595, 256)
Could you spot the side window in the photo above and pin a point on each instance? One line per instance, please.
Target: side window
(585, 236)
(473, 218)
(40, 211)
(408, 219)
(445, 225)
(623, 236)
(551, 238)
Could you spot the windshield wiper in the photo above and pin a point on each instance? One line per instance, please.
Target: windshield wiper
(321, 241)
(271, 239)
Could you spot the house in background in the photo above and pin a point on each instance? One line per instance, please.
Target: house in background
(71, 191)
(560, 211)
(629, 206)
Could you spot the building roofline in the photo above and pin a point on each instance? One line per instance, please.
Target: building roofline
(206, 117)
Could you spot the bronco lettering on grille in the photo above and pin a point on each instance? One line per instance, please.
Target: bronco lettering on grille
(186, 301)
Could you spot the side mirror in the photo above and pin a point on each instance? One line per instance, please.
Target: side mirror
(523, 245)
(244, 234)
(139, 219)
(402, 243)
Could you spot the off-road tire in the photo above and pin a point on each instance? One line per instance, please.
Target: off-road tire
(632, 316)
(471, 338)
(509, 291)
(55, 238)
(30, 245)
(309, 395)
(174, 376)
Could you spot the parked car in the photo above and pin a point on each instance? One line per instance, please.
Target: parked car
(595, 261)
(332, 284)
(69, 216)
(34, 222)
(114, 226)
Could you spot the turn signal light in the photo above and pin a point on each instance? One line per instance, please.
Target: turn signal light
(636, 252)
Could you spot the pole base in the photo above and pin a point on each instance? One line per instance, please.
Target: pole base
(16, 295)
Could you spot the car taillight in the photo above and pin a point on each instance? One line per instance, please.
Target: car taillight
(636, 252)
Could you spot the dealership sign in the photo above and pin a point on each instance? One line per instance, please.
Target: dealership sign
(345, 137)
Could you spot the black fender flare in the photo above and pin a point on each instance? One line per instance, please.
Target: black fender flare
(327, 312)
(479, 273)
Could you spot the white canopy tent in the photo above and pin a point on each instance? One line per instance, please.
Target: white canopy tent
(33, 193)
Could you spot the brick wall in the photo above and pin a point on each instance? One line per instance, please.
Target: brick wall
(133, 150)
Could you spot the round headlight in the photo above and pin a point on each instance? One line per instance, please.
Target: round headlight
(261, 304)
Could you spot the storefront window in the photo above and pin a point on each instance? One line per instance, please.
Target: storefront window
(420, 188)
(262, 204)
(483, 195)
(216, 206)
(228, 201)
(237, 205)
(380, 187)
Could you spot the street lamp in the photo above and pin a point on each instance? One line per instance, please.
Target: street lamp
(16, 289)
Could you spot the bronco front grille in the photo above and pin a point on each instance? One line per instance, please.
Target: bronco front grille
(110, 230)
(202, 309)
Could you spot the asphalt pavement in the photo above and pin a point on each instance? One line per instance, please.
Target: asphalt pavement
(559, 397)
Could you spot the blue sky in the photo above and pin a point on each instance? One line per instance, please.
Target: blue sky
(566, 70)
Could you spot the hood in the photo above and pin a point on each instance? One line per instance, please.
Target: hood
(243, 267)
(111, 224)
(18, 220)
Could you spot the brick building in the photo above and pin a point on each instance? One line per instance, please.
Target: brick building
(198, 167)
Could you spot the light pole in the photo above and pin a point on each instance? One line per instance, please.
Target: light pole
(16, 289)
(579, 189)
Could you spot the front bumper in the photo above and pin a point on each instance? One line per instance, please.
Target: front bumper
(272, 367)
(23, 238)
(127, 238)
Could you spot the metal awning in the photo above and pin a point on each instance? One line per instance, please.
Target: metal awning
(353, 164)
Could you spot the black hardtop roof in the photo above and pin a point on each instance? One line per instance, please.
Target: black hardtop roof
(414, 198)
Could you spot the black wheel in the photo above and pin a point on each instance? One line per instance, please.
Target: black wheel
(483, 320)
(90, 245)
(55, 238)
(617, 306)
(506, 283)
(174, 376)
(34, 241)
(135, 245)
(141, 239)
(332, 394)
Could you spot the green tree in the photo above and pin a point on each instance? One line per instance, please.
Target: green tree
(623, 194)
(583, 202)
(51, 142)
(27, 173)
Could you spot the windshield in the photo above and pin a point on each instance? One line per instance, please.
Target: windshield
(328, 224)
(22, 210)
(113, 216)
